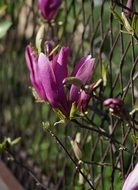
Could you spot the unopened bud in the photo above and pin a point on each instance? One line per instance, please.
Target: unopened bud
(129, 5)
(39, 38)
(73, 80)
(76, 149)
(46, 125)
(115, 105)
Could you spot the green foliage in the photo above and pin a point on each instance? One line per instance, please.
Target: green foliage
(21, 113)
(104, 74)
(73, 111)
(4, 27)
(134, 22)
(8, 143)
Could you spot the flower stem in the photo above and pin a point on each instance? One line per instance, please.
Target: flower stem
(64, 148)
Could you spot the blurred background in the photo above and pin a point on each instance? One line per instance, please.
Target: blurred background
(87, 27)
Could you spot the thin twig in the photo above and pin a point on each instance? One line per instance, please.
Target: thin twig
(78, 168)
(27, 169)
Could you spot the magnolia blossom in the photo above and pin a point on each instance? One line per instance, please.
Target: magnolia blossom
(47, 73)
(131, 182)
(48, 8)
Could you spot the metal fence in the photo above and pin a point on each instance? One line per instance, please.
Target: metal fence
(108, 143)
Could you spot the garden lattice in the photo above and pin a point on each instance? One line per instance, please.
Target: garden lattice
(46, 159)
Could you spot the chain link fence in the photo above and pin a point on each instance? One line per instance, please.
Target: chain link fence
(108, 143)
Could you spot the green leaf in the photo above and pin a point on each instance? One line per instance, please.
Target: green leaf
(4, 27)
(134, 22)
(77, 151)
(46, 125)
(59, 122)
(104, 76)
(116, 16)
(136, 105)
(127, 25)
(59, 114)
(39, 38)
(134, 138)
(54, 50)
(73, 110)
(15, 141)
(36, 96)
(7, 143)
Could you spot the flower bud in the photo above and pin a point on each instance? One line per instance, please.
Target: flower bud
(73, 80)
(115, 105)
(129, 5)
(48, 8)
(39, 37)
(76, 149)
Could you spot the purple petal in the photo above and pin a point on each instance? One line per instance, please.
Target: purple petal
(49, 83)
(131, 182)
(59, 66)
(48, 79)
(83, 70)
(48, 47)
(83, 101)
(54, 4)
(112, 101)
(79, 64)
(32, 64)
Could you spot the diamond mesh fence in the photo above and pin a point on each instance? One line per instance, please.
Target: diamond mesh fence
(108, 143)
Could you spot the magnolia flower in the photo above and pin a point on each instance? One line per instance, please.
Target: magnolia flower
(47, 74)
(48, 8)
(131, 182)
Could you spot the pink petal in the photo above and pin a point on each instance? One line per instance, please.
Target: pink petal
(79, 64)
(59, 66)
(32, 63)
(131, 182)
(83, 70)
(48, 79)
(83, 101)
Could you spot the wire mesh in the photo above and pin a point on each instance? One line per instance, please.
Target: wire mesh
(109, 150)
